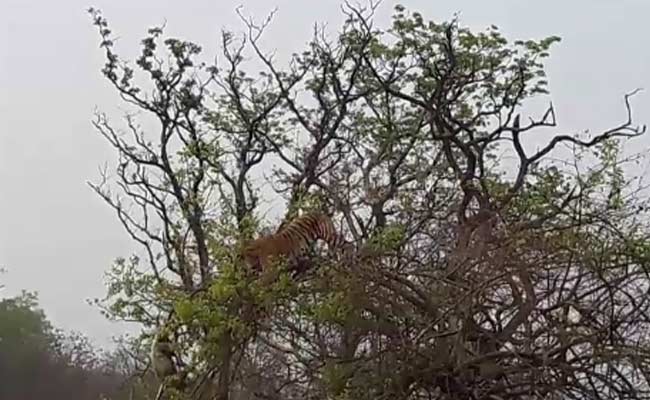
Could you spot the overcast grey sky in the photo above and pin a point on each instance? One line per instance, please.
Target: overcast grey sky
(57, 237)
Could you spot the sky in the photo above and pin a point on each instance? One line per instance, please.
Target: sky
(57, 237)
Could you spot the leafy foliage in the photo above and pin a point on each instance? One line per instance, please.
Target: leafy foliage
(37, 361)
(457, 281)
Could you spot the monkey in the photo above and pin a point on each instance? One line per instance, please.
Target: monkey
(165, 361)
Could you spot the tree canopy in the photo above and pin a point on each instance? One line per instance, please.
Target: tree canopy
(468, 277)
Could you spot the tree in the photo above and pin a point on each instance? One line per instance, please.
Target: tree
(463, 281)
(25, 338)
(37, 361)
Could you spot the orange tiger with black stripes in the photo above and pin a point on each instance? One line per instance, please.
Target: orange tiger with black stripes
(291, 239)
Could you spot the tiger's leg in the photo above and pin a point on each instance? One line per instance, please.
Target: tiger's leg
(255, 264)
(299, 265)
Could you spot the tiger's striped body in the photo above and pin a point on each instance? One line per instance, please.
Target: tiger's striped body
(291, 239)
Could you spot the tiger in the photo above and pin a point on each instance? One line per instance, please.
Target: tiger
(291, 239)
